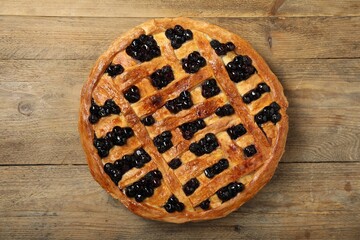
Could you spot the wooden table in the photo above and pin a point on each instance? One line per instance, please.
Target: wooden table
(47, 49)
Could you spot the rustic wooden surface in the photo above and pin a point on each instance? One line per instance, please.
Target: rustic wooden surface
(47, 49)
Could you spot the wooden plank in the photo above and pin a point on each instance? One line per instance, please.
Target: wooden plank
(158, 8)
(64, 202)
(39, 102)
(87, 38)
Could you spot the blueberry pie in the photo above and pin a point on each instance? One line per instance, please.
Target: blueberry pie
(182, 121)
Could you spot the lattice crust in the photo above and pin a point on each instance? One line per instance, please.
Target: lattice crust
(183, 173)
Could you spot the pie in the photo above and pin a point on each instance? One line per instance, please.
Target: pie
(182, 120)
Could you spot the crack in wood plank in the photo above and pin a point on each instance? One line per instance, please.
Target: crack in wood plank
(275, 7)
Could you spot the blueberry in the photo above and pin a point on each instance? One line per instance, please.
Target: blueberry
(236, 131)
(196, 149)
(173, 199)
(239, 186)
(215, 43)
(132, 94)
(240, 68)
(175, 163)
(223, 164)
(170, 208)
(232, 189)
(108, 167)
(119, 140)
(155, 182)
(139, 197)
(250, 150)
(268, 111)
(128, 132)
(209, 172)
(148, 191)
(162, 77)
(254, 94)
(209, 88)
(94, 109)
(169, 33)
(178, 29)
(190, 187)
(205, 205)
(276, 117)
(156, 174)
(103, 112)
(223, 194)
(93, 119)
(182, 102)
(148, 120)
(222, 48)
(230, 46)
(179, 206)
(247, 98)
(275, 106)
(103, 152)
(143, 48)
(200, 124)
(263, 87)
(178, 35)
(225, 110)
(193, 62)
(259, 118)
(188, 34)
(130, 191)
(114, 69)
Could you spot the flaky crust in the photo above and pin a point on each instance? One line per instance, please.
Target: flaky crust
(260, 170)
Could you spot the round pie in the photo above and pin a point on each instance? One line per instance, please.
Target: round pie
(182, 120)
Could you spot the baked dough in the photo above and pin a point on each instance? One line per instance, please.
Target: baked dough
(251, 173)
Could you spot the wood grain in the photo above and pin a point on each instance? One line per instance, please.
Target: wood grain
(40, 106)
(63, 202)
(87, 38)
(158, 8)
(47, 49)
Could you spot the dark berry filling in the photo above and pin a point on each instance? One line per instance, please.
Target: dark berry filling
(236, 131)
(163, 141)
(240, 68)
(222, 48)
(132, 94)
(250, 151)
(255, 93)
(178, 35)
(193, 62)
(205, 205)
(97, 112)
(114, 69)
(225, 110)
(118, 136)
(190, 128)
(190, 187)
(175, 163)
(144, 188)
(143, 48)
(162, 77)
(230, 191)
(127, 162)
(217, 168)
(269, 113)
(148, 120)
(180, 103)
(209, 88)
(205, 146)
(173, 204)
(114, 173)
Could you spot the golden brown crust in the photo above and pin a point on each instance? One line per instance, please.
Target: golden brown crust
(261, 168)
